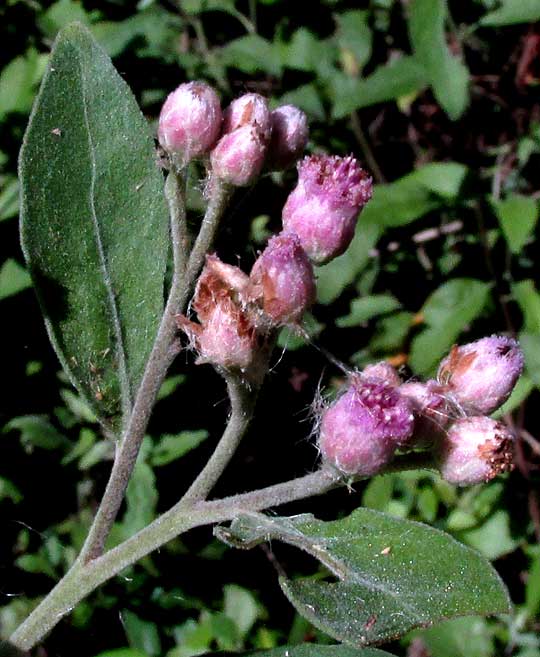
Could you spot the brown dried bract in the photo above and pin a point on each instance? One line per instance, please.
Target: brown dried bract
(498, 453)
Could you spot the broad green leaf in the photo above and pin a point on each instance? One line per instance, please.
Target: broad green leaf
(250, 54)
(532, 590)
(94, 222)
(521, 391)
(18, 81)
(9, 491)
(308, 99)
(291, 339)
(334, 277)
(528, 299)
(142, 635)
(416, 194)
(13, 279)
(517, 217)
(170, 385)
(448, 76)
(390, 332)
(172, 447)
(530, 343)
(36, 431)
(512, 12)
(241, 607)
(459, 637)
(60, 14)
(447, 312)
(493, 538)
(365, 308)
(314, 650)
(399, 78)
(307, 52)
(354, 35)
(141, 496)
(389, 574)
(9, 198)
(122, 652)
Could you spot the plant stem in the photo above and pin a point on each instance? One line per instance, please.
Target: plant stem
(242, 399)
(160, 359)
(83, 578)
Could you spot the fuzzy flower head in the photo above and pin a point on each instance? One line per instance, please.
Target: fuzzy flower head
(475, 450)
(323, 208)
(361, 430)
(290, 134)
(432, 410)
(282, 281)
(190, 121)
(239, 156)
(481, 375)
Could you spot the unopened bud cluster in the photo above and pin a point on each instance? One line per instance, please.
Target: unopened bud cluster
(377, 414)
(239, 141)
(238, 313)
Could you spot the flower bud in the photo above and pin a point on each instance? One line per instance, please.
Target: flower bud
(282, 281)
(225, 336)
(190, 121)
(239, 156)
(323, 208)
(482, 374)
(383, 372)
(362, 429)
(474, 450)
(432, 411)
(290, 134)
(249, 109)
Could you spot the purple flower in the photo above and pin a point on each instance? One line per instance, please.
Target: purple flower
(481, 375)
(474, 450)
(190, 121)
(361, 430)
(383, 372)
(290, 134)
(323, 208)
(282, 281)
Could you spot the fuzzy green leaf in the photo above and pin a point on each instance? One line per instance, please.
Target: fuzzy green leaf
(94, 222)
(391, 575)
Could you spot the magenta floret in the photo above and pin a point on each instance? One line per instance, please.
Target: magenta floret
(323, 208)
(361, 430)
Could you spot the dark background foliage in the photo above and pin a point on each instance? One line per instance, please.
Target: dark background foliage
(440, 102)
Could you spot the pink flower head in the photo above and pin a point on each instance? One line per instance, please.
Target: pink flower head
(432, 410)
(190, 121)
(481, 375)
(361, 430)
(225, 336)
(282, 281)
(290, 134)
(249, 109)
(474, 450)
(239, 156)
(323, 208)
(382, 371)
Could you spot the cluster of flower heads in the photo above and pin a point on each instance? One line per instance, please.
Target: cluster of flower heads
(376, 414)
(238, 313)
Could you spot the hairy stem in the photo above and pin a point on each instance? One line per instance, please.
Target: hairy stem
(83, 578)
(163, 353)
(242, 398)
